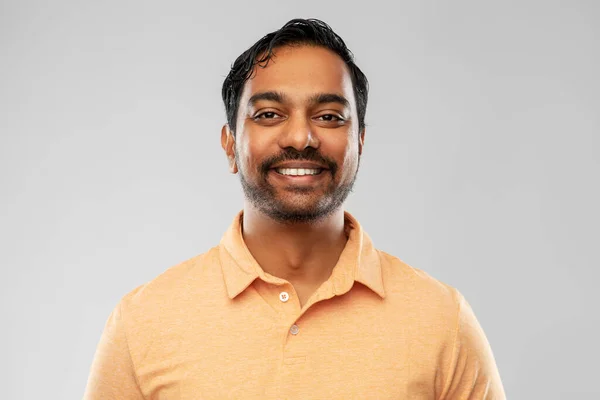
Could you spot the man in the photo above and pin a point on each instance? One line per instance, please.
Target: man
(295, 302)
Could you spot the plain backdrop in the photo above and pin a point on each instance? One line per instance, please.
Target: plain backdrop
(481, 166)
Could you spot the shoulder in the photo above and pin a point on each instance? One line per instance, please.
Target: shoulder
(175, 283)
(417, 286)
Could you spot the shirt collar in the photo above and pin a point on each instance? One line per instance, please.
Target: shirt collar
(358, 262)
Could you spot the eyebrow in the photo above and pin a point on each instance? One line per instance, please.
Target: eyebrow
(268, 96)
(319, 98)
(323, 98)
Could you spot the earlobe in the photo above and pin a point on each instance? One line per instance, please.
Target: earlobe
(233, 165)
(361, 142)
(228, 145)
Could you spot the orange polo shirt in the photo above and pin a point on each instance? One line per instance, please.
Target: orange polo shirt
(218, 327)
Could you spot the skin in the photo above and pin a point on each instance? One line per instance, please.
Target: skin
(296, 231)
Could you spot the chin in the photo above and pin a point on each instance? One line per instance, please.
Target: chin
(298, 212)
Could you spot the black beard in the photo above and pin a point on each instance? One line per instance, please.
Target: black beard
(262, 195)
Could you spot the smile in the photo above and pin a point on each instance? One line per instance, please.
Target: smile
(299, 171)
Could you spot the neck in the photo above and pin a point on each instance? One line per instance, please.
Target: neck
(303, 253)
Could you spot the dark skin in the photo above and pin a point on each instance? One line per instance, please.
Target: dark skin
(309, 103)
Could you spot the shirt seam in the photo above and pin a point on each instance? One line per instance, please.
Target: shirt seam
(448, 380)
(381, 283)
(135, 376)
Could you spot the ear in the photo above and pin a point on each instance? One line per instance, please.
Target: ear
(361, 141)
(228, 145)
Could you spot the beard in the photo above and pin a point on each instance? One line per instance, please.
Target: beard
(297, 204)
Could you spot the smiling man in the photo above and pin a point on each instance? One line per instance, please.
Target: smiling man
(295, 302)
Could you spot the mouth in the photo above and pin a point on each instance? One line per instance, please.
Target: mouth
(298, 176)
(297, 172)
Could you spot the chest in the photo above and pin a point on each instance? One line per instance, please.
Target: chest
(331, 351)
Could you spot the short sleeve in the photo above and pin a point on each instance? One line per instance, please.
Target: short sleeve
(473, 373)
(112, 374)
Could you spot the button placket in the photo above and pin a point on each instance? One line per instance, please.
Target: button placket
(290, 309)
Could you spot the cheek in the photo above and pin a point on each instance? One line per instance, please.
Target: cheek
(344, 151)
(250, 150)
(350, 150)
(350, 161)
(242, 153)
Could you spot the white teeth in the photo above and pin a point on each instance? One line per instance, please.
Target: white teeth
(298, 171)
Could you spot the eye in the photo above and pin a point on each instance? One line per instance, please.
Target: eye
(330, 118)
(267, 115)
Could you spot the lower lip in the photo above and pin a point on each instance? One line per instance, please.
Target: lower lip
(299, 179)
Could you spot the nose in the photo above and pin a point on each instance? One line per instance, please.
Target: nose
(298, 133)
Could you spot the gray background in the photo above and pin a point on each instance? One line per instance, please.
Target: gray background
(481, 166)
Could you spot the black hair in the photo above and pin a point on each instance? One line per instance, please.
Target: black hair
(295, 32)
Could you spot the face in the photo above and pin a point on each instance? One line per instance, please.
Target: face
(297, 145)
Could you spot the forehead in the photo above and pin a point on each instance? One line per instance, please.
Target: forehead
(301, 72)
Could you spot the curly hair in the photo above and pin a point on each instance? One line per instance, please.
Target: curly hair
(295, 32)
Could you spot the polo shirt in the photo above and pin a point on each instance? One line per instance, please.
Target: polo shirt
(219, 327)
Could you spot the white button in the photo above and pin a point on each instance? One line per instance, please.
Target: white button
(294, 329)
(284, 296)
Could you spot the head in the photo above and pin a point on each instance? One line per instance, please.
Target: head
(295, 104)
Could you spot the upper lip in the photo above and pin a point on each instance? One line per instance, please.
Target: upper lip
(297, 164)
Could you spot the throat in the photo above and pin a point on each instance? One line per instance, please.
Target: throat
(302, 254)
(305, 291)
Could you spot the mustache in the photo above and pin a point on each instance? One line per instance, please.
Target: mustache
(291, 154)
